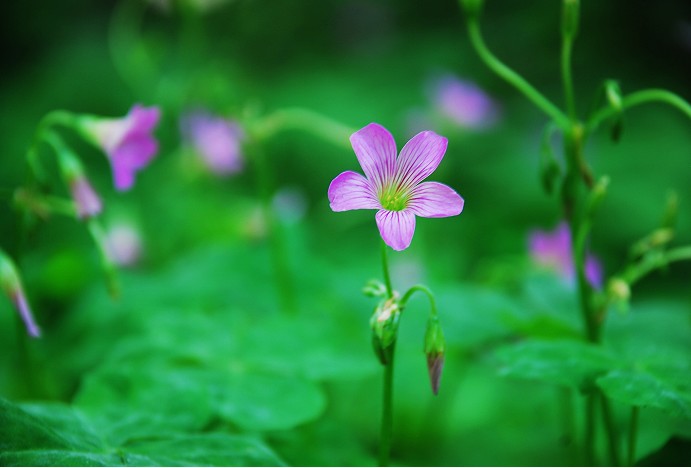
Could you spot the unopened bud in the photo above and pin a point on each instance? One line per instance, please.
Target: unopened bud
(549, 168)
(619, 292)
(374, 288)
(384, 325)
(613, 95)
(435, 346)
(598, 194)
(12, 285)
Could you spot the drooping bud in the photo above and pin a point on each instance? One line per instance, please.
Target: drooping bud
(12, 285)
(570, 18)
(87, 202)
(435, 346)
(613, 94)
(384, 325)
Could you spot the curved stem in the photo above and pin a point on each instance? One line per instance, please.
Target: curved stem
(424, 289)
(56, 117)
(637, 98)
(385, 269)
(514, 78)
(296, 118)
(653, 262)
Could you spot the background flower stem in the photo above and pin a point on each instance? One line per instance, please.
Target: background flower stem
(387, 408)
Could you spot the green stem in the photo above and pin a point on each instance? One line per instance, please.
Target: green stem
(279, 253)
(653, 262)
(109, 268)
(514, 78)
(637, 98)
(305, 120)
(610, 428)
(633, 435)
(385, 269)
(566, 48)
(423, 289)
(387, 409)
(589, 441)
(57, 117)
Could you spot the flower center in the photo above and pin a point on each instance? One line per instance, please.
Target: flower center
(393, 198)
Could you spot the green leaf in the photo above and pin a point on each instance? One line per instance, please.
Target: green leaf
(640, 388)
(58, 435)
(568, 363)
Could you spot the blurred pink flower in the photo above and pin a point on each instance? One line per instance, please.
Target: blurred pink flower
(463, 102)
(394, 186)
(124, 245)
(217, 140)
(85, 198)
(12, 285)
(128, 142)
(553, 249)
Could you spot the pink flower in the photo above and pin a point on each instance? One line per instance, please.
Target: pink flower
(217, 140)
(554, 250)
(394, 186)
(11, 283)
(463, 102)
(127, 141)
(85, 198)
(124, 245)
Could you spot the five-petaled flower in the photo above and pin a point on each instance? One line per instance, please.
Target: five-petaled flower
(394, 186)
(127, 141)
(553, 249)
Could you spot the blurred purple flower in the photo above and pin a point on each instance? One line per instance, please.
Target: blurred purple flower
(128, 142)
(553, 249)
(124, 245)
(12, 284)
(217, 140)
(85, 198)
(394, 185)
(463, 102)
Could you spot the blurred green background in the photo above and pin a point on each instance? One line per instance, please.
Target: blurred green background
(202, 299)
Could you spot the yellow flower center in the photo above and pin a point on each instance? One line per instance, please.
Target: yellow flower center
(393, 198)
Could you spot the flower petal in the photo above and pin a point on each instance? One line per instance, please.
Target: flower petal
(143, 119)
(419, 158)
(396, 228)
(351, 191)
(375, 149)
(435, 200)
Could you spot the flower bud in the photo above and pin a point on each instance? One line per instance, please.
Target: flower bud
(384, 324)
(598, 194)
(11, 283)
(570, 14)
(613, 94)
(549, 168)
(434, 350)
(87, 202)
(374, 288)
(619, 293)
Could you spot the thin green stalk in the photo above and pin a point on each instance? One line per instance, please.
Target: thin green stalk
(610, 428)
(566, 48)
(589, 427)
(109, 268)
(645, 96)
(296, 118)
(385, 269)
(387, 409)
(633, 435)
(653, 262)
(514, 78)
(279, 254)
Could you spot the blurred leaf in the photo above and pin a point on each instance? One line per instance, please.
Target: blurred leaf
(568, 363)
(58, 435)
(639, 388)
